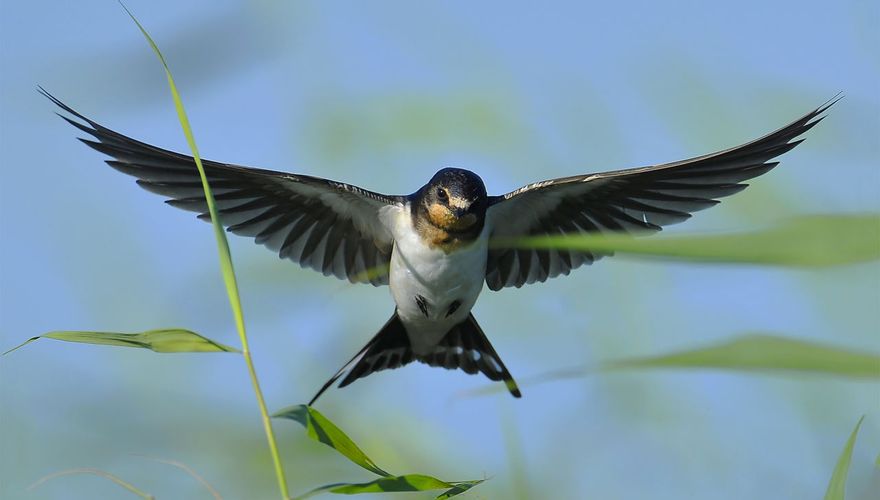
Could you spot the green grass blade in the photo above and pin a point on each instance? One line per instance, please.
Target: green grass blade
(458, 488)
(837, 485)
(223, 245)
(321, 429)
(98, 472)
(164, 340)
(386, 484)
(808, 241)
(226, 267)
(396, 484)
(758, 352)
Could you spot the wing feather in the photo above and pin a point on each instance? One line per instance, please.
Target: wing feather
(329, 226)
(640, 200)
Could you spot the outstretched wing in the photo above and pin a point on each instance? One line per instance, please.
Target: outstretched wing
(328, 226)
(632, 200)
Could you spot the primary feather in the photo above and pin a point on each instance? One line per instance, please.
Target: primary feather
(634, 200)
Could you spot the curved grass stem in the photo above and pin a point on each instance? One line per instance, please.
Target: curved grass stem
(98, 472)
(225, 267)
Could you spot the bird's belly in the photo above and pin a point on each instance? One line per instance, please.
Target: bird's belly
(434, 290)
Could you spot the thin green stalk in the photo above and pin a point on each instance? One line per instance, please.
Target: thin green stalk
(225, 266)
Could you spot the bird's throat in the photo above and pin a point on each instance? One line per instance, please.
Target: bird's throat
(446, 239)
(439, 238)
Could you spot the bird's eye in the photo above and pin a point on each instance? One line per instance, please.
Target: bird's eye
(441, 194)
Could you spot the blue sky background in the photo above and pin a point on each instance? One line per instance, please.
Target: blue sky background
(382, 94)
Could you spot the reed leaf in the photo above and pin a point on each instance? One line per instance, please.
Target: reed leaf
(761, 352)
(321, 429)
(164, 340)
(806, 241)
(837, 485)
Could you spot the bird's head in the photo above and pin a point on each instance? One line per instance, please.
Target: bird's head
(455, 201)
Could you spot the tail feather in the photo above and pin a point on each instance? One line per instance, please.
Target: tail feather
(388, 349)
(465, 346)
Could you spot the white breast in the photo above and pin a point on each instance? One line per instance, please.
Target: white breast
(418, 270)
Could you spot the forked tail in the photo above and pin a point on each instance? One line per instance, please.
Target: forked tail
(465, 346)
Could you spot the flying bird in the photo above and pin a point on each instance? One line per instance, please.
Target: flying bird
(432, 246)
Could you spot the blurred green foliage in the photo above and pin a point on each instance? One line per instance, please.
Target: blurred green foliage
(807, 241)
(767, 353)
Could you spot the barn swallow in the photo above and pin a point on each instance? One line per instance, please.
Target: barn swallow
(432, 247)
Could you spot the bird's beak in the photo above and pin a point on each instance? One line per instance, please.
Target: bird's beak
(462, 218)
(460, 208)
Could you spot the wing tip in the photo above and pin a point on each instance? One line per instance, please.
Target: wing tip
(830, 102)
(817, 115)
(45, 93)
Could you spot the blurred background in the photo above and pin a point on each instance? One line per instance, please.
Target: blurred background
(381, 95)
